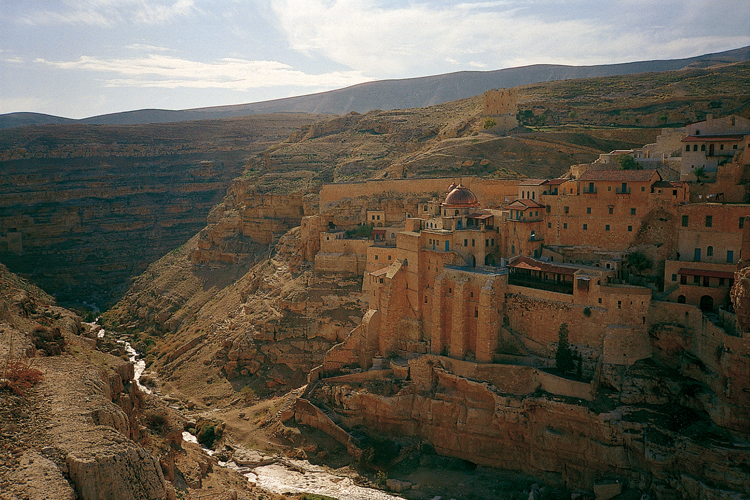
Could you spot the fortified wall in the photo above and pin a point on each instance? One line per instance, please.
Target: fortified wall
(488, 191)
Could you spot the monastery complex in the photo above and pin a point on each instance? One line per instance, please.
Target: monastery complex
(486, 271)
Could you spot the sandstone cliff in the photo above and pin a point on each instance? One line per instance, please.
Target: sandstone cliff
(649, 436)
(85, 208)
(84, 429)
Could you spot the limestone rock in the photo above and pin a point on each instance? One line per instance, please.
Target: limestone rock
(38, 478)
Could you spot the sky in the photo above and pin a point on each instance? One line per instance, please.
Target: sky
(81, 58)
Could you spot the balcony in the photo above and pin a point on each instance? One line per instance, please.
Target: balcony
(589, 190)
(519, 279)
(625, 190)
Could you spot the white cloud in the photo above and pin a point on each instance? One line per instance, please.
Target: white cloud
(108, 13)
(173, 72)
(420, 37)
(148, 48)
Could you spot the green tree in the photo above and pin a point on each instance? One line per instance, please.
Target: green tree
(572, 115)
(489, 123)
(564, 356)
(627, 162)
(699, 173)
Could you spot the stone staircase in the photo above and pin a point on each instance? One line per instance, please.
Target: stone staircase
(286, 411)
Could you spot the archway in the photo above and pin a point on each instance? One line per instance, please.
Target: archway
(707, 303)
(681, 299)
(473, 261)
(489, 260)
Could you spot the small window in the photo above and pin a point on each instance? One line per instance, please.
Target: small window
(630, 229)
(566, 209)
(643, 189)
(492, 241)
(588, 210)
(685, 219)
(425, 300)
(721, 147)
(710, 251)
(472, 242)
(606, 228)
(376, 257)
(687, 148)
(696, 280)
(632, 211)
(585, 227)
(486, 243)
(703, 147)
(609, 188)
(547, 208)
(565, 225)
(456, 212)
(389, 257)
(674, 277)
(619, 304)
(695, 147)
(600, 300)
(611, 210)
(549, 225)
(709, 220)
(721, 281)
(734, 146)
(742, 222)
(466, 242)
(476, 313)
(450, 290)
(730, 257)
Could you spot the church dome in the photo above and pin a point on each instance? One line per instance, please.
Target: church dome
(461, 196)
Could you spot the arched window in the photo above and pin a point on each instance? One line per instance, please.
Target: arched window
(709, 252)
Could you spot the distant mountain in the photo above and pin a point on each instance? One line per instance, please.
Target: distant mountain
(393, 94)
(11, 120)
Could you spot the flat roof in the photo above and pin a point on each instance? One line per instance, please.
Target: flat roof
(532, 182)
(536, 265)
(713, 138)
(706, 272)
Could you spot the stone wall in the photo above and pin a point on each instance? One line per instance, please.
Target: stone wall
(489, 192)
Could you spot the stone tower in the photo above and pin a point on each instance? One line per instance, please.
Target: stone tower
(501, 105)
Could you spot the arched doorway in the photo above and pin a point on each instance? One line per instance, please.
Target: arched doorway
(707, 303)
(489, 260)
(473, 261)
(681, 299)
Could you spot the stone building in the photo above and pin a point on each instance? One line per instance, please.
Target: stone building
(712, 143)
(501, 105)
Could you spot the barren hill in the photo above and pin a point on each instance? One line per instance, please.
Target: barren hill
(396, 94)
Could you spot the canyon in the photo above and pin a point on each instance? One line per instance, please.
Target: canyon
(247, 300)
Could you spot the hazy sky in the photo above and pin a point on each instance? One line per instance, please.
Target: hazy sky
(79, 58)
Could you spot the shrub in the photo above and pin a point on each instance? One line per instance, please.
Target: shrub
(489, 123)
(20, 375)
(156, 420)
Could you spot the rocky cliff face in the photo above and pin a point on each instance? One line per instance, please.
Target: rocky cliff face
(86, 208)
(74, 432)
(649, 439)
